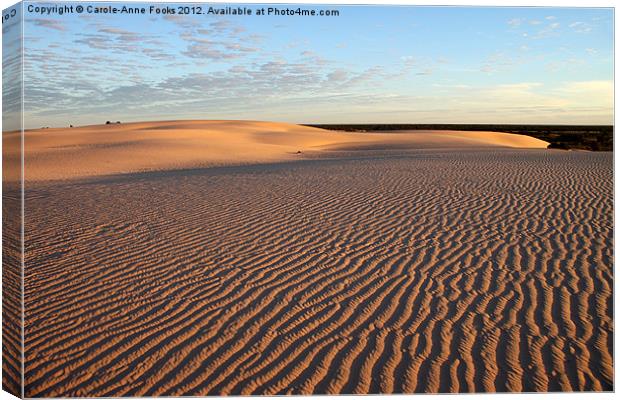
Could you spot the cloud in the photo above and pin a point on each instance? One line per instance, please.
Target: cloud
(596, 88)
(517, 102)
(577, 100)
(313, 58)
(48, 23)
(499, 61)
(339, 75)
(518, 87)
(220, 40)
(299, 92)
(121, 43)
(243, 87)
(122, 35)
(11, 88)
(240, 48)
(211, 64)
(117, 39)
(208, 49)
(451, 86)
(426, 71)
(368, 75)
(157, 54)
(545, 28)
(207, 52)
(256, 38)
(580, 27)
(223, 26)
(568, 64)
(182, 20)
(408, 63)
(548, 31)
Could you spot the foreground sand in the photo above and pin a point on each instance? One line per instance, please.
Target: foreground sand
(63, 153)
(379, 271)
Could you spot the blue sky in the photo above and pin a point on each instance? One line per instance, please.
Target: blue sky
(374, 64)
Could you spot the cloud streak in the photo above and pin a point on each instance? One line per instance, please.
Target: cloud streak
(48, 23)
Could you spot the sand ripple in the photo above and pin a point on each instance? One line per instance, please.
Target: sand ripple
(427, 271)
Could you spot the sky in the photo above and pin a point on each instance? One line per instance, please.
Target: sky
(369, 64)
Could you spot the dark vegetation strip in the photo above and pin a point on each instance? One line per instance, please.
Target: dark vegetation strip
(583, 137)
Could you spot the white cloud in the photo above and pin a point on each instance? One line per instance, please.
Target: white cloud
(547, 31)
(580, 27)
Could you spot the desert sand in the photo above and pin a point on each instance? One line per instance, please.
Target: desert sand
(195, 258)
(98, 150)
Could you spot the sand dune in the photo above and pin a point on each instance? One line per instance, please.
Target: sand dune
(403, 271)
(53, 154)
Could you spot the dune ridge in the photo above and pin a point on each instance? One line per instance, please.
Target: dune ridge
(81, 152)
(455, 271)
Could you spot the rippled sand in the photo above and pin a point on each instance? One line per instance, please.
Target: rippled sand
(360, 271)
(383, 263)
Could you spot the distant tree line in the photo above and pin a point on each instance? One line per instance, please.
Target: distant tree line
(584, 137)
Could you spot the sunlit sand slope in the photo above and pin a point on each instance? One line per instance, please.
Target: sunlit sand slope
(151, 146)
(428, 271)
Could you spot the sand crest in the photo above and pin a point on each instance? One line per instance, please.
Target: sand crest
(66, 153)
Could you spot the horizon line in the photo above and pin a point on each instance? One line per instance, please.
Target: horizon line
(315, 123)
